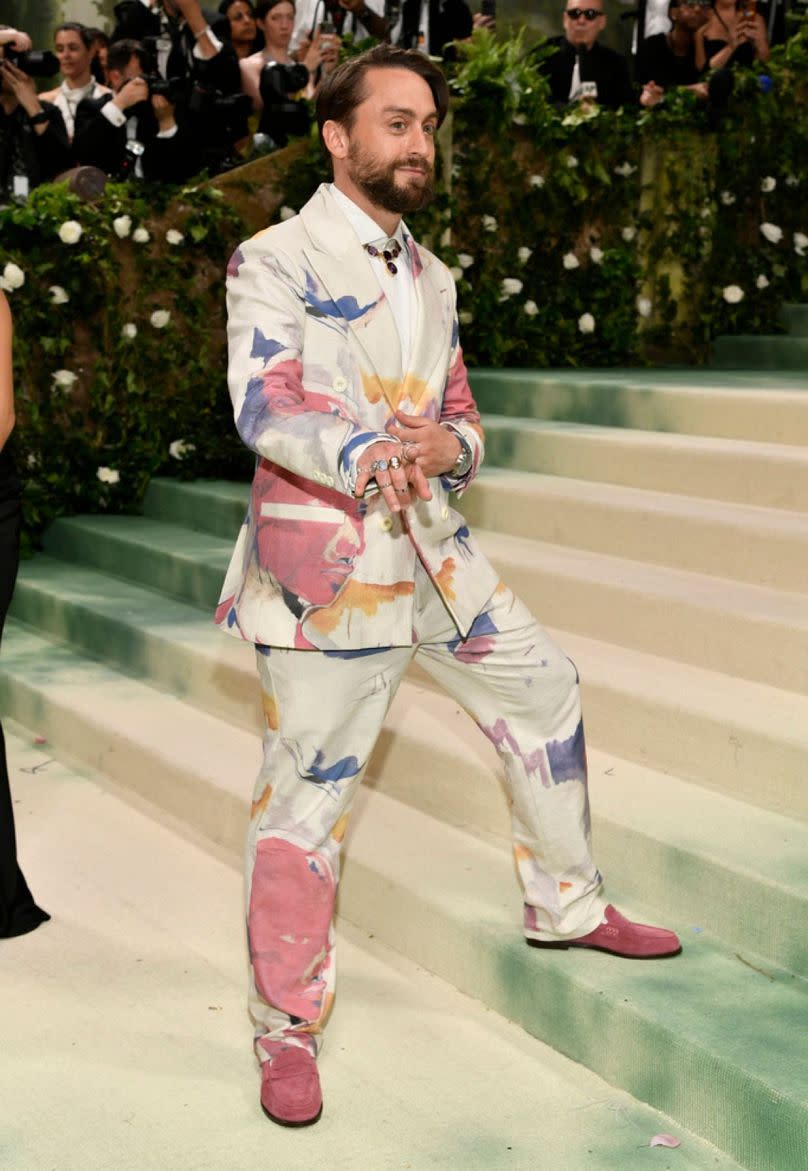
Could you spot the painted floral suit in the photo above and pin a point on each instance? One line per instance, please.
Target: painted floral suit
(339, 596)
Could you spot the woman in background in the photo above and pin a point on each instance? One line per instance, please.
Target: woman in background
(238, 26)
(18, 911)
(73, 45)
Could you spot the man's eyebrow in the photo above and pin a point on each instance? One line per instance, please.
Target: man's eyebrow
(408, 112)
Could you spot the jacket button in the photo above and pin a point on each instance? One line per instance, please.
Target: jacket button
(386, 523)
(444, 512)
(340, 384)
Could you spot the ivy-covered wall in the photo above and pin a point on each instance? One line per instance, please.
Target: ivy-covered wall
(611, 239)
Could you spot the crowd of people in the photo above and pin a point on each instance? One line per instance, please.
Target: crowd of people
(172, 90)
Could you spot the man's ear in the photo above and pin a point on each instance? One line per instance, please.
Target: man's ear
(335, 139)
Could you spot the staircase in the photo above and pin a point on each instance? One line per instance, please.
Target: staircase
(657, 522)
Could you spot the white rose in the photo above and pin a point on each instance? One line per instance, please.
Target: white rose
(59, 295)
(772, 233)
(572, 161)
(70, 232)
(800, 243)
(792, 181)
(536, 180)
(465, 317)
(595, 254)
(108, 475)
(524, 254)
(13, 277)
(628, 234)
(520, 120)
(456, 272)
(644, 306)
(706, 212)
(160, 318)
(762, 282)
(179, 448)
(625, 169)
(531, 308)
(174, 237)
(570, 260)
(768, 184)
(586, 323)
(64, 379)
(490, 224)
(141, 236)
(511, 287)
(464, 260)
(129, 330)
(733, 294)
(287, 213)
(122, 226)
(727, 198)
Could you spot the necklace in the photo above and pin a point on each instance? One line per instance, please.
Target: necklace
(388, 254)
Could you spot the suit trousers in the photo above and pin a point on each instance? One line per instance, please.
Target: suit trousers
(324, 711)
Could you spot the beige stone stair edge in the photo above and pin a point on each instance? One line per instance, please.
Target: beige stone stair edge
(751, 631)
(743, 542)
(764, 474)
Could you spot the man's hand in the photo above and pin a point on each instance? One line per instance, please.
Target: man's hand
(18, 40)
(427, 445)
(398, 480)
(131, 93)
(652, 94)
(163, 112)
(23, 88)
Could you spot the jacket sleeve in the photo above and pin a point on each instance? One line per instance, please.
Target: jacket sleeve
(307, 432)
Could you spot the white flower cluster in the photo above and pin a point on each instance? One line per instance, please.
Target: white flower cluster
(63, 379)
(108, 475)
(13, 277)
(70, 232)
(733, 294)
(160, 318)
(180, 448)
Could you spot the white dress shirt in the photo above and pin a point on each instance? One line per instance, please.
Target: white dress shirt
(309, 14)
(399, 289)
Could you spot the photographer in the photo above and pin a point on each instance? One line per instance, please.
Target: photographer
(735, 34)
(33, 140)
(73, 44)
(180, 36)
(133, 133)
(276, 84)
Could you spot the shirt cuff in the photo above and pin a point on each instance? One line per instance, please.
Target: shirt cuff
(113, 114)
(168, 133)
(214, 40)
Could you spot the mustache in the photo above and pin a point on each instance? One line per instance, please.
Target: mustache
(416, 163)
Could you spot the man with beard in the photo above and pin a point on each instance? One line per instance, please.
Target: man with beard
(347, 376)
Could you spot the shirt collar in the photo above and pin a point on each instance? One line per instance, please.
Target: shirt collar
(366, 228)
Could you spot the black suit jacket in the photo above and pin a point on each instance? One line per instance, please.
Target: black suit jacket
(44, 155)
(98, 143)
(449, 20)
(220, 72)
(608, 70)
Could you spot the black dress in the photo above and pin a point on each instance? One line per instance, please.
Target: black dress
(744, 54)
(18, 911)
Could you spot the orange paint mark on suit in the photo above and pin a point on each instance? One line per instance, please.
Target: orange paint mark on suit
(358, 595)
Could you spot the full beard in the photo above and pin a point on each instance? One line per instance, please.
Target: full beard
(380, 186)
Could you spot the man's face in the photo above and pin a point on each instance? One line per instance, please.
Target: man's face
(691, 16)
(119, 77)
(391, 155)
(309, 548)
(584, 21)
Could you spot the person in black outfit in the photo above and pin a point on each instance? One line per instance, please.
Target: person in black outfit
(18, 911)
(33, 139)
(582, 69)
(132, 133)
(446, 20)
(180, 35)
(669, 59)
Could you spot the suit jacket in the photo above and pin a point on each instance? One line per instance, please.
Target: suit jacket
(315, 374)
(449, 20)
(608, 69)
(100, 144)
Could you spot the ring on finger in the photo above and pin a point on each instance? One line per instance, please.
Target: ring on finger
(394, 463)
(402, 491)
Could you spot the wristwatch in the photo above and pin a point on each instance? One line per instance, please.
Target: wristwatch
(464, 460)
(40, 116)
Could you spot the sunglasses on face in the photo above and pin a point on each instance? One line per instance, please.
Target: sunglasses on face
(583, 13)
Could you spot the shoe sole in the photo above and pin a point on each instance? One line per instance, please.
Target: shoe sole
(292, 1122)
(561, 945)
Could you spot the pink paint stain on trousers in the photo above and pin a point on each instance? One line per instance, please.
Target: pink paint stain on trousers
(291, 906)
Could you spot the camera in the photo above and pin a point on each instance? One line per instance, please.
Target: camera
(170, 87)
(35, 63)
(282, 116)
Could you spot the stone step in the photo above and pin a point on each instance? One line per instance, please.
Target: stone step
(769, 475)
(761, 546)
(769, 406)
(159, 1072)
(760, 352)
(448, 901)
(753, 631)
(795, 319)
(428, 743)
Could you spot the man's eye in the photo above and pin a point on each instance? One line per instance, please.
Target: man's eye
(430, 128)
(399, 125)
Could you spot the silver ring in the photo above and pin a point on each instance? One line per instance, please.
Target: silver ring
(394, 462)
(380, 465)
(402, 491)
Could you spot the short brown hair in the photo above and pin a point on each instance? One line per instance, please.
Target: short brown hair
(344, 89)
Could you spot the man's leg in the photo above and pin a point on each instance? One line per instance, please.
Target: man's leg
(523, 693)
(323, 715)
